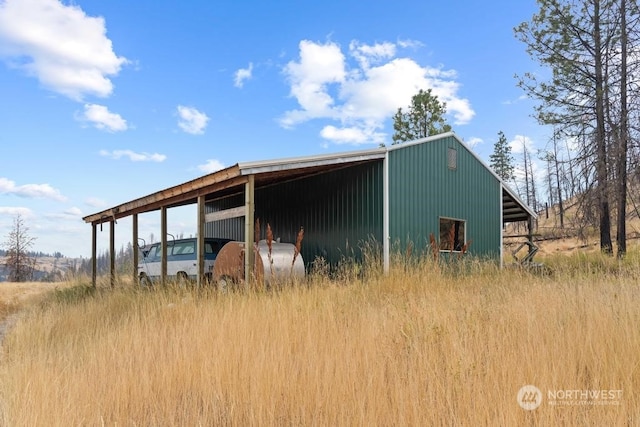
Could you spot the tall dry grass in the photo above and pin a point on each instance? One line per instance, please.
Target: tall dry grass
(426, 345)
(16, 295)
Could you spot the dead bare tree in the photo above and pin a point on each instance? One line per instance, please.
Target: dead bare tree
(623, 140)
(558, 166)
(18, 262)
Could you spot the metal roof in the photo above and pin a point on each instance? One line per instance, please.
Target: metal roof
(268, 172)
(286, 164)
(228, 180)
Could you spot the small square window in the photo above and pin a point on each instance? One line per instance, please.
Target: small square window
(452, 158)
(452, 234)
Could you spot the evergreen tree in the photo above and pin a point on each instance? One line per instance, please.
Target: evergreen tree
(424, 117)
(501, 161)
(578, 42)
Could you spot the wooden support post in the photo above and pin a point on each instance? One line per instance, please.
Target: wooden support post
(112, 252)
(163, 242)
(530, 233)
(94, 250)
(249, 257)
(136, 252)
(200, 241)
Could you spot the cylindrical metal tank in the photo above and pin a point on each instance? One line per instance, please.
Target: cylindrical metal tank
(273, 266)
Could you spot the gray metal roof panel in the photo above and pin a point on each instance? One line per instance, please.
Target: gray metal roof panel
(248, 168)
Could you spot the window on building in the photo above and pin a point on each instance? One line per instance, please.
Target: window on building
(452, 234)
(452, 158)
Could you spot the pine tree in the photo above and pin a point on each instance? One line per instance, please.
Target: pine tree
(424, 117)
(501, 161)
(578, 42)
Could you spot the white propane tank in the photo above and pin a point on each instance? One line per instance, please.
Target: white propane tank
(279, 264)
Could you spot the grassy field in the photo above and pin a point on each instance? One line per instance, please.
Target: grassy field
(425, 345)
(15, 296)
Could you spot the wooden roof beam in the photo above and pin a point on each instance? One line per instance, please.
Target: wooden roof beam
(171, 196)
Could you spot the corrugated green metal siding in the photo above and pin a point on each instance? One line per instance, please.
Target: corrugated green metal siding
(229, 228)
(341, 209)
(338, 211)
(422, 189)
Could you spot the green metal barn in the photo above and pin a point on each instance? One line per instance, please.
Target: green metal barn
(433, 184)
(395, 196)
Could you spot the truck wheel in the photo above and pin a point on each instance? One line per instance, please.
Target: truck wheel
(145, 282)
(183, 279)
(224, 284)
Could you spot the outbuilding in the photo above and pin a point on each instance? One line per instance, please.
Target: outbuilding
(413, 194)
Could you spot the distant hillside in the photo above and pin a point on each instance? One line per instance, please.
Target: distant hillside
(48, 268)
(574, 236)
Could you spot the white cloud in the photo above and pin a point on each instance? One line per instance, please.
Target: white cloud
(71, 214)
(351, 135)
(73, 211)
(319, 66)
(66, 50)
(133, 156)
(473, 142)
(40, 191)
(103, 119)
(241, 75)
(459, 108)
(211, 166)
(191, 120)
(367, 54)
(95, 202)
(15, 211)
(382, 89)
(408, 43)
(518, 143)
(362, 97)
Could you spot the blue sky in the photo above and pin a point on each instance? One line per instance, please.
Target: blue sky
(107, 101)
